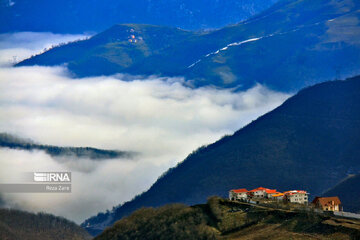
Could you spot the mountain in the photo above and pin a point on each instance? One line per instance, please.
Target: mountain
(15, 225)
(111, 51)
(13, 142)
(67, 16)
(348, 192)
(223, 219)
(310, 142)
(305, 41)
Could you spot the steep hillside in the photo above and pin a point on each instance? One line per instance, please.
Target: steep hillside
(222, 219)
(310, 142)
(10, 141)
(15, 225)
(113, 50)
(305, 41)
(348, 192)
(82, 15)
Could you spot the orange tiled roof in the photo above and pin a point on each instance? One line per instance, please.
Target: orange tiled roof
(278, 195)
(259, 189)
(327, 201)
(242, 190)
(270, 191)
(292, 192)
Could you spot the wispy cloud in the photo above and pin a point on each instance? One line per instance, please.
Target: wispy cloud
(157, 117)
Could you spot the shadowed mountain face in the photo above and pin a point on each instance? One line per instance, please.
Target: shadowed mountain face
(15, 224)
(348, 192)
(83, 15)
(305, 41)
(310, 142)
(9, 141)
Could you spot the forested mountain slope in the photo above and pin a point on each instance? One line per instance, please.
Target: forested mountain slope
(13, 142)
(15, 225)
(310, 142)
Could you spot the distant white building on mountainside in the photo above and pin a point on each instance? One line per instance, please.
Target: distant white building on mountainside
(294, 196)
(238, 194)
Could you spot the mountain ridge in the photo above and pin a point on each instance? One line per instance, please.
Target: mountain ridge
(306, 41)
(13, 142)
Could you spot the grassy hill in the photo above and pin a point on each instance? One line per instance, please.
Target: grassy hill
(305, 41)
(110, 51)
(223, 219)
(16, 225)
(348, 192)
(310, 142)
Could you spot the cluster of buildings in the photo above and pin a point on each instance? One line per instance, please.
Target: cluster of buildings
(294, 196)
(132, 38)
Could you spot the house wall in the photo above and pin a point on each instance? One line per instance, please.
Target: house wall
(237, 196)
(298, 198)
(232, 195)
(241, 196)
(331, 208)
(259, 193)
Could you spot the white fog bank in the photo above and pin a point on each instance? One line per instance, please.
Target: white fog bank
(159, 118)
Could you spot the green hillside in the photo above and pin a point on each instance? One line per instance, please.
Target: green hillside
(19, 225)
(223, 219)
(111, 51)
(305, 41)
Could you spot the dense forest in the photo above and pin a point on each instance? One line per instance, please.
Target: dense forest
(20, 225)
(10, 141)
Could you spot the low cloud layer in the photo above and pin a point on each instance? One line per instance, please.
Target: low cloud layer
(157, 117)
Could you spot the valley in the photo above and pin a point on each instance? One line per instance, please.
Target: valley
(305, 132)
(171, 117)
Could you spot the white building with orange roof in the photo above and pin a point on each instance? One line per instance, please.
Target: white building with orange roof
(296, 196)
(238, 194)
(259, 192)
(270, 192)
(278, 196)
